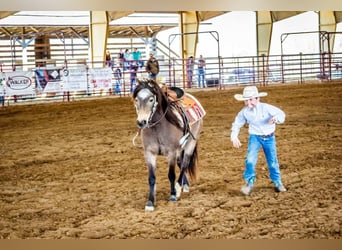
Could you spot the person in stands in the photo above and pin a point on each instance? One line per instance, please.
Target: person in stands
(190, 62)
(201, 73)
(108, 59)
(152, 67)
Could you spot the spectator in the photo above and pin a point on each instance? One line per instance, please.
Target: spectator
(108, 59)
(122, 58)
(137, 57)
(127, 58)
(117, 73)
(190, 62)
(152, 67)
(133, 74)
(201, 72)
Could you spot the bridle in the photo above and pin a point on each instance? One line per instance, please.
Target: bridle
(153, 111)
(151, 124)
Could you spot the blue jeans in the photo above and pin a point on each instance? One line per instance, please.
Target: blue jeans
(268, 144)
(118, 75)
(201, 78)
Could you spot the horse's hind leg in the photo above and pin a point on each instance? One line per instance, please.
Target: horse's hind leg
(179, 163)
(172, 178)
(184, 183)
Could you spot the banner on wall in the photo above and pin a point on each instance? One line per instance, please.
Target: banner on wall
(48, 80)
(18, 83)
(75, 79)
(100, 78)
(2, 84)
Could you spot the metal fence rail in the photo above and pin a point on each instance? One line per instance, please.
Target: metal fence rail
(220, 72)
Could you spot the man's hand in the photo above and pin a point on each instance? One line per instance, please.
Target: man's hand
(236, 143)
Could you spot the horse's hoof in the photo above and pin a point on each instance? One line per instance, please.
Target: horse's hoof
(173, 198)
(186, 188)
(178, 189)
(149, 206)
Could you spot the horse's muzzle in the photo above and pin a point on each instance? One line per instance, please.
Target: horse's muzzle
(142, 124)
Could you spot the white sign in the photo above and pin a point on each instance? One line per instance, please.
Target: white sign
(100, 78)
(2, 84)
(19, 83)
(75, 79)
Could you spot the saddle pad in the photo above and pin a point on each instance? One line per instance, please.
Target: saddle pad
(193, 108)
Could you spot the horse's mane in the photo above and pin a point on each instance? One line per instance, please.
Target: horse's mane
(163, 101)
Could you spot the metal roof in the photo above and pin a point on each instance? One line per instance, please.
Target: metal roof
(123, 24)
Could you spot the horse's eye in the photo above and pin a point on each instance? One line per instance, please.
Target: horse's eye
(151, 99)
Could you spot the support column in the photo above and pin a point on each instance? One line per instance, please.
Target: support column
(264, 31)
(189, 27)
(189, 23)
(327, 22)
(98, 34)
(264, 24)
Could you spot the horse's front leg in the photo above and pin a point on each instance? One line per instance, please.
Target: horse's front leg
(172, 178)
(151, 164)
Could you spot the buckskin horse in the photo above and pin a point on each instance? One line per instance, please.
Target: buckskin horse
(169, 123)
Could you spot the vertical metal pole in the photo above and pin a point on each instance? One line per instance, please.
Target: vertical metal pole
(329, 54)
(263, 70)
(174, 72)
(253, 67)
(301, 67)
(282, 68)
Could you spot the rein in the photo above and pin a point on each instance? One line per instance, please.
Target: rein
(150, 125)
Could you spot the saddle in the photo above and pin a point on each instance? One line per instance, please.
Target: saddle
(188, 106)
(173, 93)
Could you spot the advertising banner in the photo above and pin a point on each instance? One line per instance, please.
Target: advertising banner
(75, 79)
(100, 78)
(18, 83)
(47, 80)
(2, 84)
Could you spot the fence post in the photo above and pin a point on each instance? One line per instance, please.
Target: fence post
(263, 70)
(253, 68)
(220, 61)
(282, 68)
(301, 67)
(173, 71)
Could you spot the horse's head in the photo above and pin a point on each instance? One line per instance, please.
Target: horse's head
(146, 97)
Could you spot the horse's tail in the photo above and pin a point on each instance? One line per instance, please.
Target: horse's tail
(192, 167)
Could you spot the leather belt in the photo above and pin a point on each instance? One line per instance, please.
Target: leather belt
(267, 136)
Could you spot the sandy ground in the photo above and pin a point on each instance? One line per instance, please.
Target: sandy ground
(70, 170)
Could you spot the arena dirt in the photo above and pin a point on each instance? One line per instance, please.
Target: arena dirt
(70, 170)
